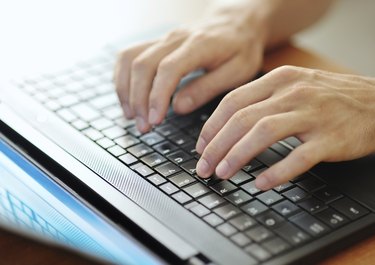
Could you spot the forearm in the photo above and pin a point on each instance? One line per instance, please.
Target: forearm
(275, 20)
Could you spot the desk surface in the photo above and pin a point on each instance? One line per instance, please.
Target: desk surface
(18, 250)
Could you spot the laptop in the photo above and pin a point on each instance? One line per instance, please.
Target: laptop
(76, 171)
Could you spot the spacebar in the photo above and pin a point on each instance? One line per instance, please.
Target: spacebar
(269, 157)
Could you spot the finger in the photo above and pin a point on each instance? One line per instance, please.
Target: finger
(190, 56)
(297, 162)
(122, 74)
(250, 93)
(237, 99)
(143, 71)
(238, 125)
(266, 132)
(207, 87)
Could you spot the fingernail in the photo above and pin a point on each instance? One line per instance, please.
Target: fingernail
(222, 169)
(153, 116)
(141, 124)
(185, 104)
(201, 145)
(262, 183)
(202, 167)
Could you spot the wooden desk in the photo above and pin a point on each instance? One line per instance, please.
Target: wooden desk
(18, 250)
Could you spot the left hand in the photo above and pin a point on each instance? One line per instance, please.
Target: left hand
(333, 115)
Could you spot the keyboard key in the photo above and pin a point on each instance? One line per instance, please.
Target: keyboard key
(156, 179)
(181, 197)
(296, 194)
(85, 112)
(240, 239)
(276, 246)
(80, 124)
(332, 218)
(312, 205)
(180, 139)
(182, 179)
(226, 229)
(166, 129)
(269, 157)
(169, 188)
(238, 197)
(286, 208)
(190, 148)
(116, 150)
(213, 220)
(309, 223)
(254, 208)
(179, 157)
(114, 132)
(269, 197)
(190, 166)
(243, 222)
(153, 159)
(152, 138)
(126, 141)
(93, 134)
(211, 200)
(227, 211)
(128, 159)
(165, 147)
(259, 233)
(283, 187)
(280, 149)
(349, 208)
(143, 170)
(134, 131)
(140, 150)
(252, 165)
(103, 101)
(270, 219)
(223, 187)
(310, 183)
(124, 123)
(196, 190)
(68, 100)
(105, 143)
(240, 177)
(258, 252)
(101, 123)
(67, 115)
(200, 210)
(291, 234)
(250, 188)
(327, 194)
(167, 169)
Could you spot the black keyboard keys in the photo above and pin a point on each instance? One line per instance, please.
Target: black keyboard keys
(309, 224)
(350, 208)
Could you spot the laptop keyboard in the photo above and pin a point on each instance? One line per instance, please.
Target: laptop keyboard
(263, 224)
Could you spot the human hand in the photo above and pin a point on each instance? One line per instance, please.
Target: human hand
(332, 114)
(147, 74)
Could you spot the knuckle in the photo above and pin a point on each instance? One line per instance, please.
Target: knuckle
(305, 159)
(241, 119)
(266, 126)
(200, 36)
(286, 72)
(177, 33)
(139, 65)
(230, 101)
(166, 65)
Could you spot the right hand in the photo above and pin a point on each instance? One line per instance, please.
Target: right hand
(229, 48)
